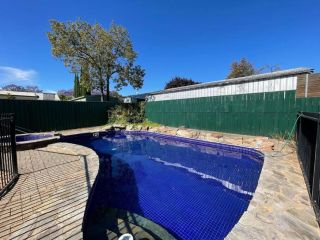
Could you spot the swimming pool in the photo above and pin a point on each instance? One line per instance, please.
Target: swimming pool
(32, 136)
(34, 140)
(194, 189)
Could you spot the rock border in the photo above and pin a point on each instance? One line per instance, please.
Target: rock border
(261, 143)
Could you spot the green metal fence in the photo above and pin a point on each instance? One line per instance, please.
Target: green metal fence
(255, 114)
(37, 115)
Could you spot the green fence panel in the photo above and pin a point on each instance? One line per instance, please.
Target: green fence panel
(256, 114)
(36, 115)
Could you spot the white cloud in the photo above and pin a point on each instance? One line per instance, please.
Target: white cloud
(16, 75)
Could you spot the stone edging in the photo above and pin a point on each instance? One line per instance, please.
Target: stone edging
(264, 144)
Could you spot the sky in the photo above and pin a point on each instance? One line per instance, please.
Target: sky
(194, 39)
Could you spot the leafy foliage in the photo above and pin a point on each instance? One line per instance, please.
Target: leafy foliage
(116, 95)
(128, 113)
(16, 88)
(76, 86)
(108, 55)
(242, 69)
(82, 86)
(269, 68)
(63, 97)
(68, 93)
(179, 82)
(85, 83)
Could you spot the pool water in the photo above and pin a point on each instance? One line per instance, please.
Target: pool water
(194, 189)
(30, 137)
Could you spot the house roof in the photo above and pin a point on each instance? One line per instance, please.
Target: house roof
(37, 95)
(138, 96)
(93, 98)
(16, 93)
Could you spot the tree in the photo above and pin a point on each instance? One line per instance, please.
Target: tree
(242, 69)
(116, 95)
(68, 93)
(33, 89)
(270, 68)
(109, 55)
(65, 95)
(16, 88)
(13, 87)
(76, 86)
(85, 83)
(179, 82)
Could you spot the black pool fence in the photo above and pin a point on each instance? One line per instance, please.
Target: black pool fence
(308, 149)
(8, 155)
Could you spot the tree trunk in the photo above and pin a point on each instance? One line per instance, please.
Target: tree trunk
(108, 89)
(101, 85)
(101, 93)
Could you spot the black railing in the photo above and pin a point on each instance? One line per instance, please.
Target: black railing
(308, 148)
(8, 155)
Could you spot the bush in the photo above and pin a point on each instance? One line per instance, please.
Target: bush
(128, 113)
(179, 82)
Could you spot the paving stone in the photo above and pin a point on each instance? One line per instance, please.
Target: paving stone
(187, 133)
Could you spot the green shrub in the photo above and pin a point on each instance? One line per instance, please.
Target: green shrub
(127, 113)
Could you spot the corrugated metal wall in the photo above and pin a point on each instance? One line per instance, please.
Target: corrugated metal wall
(258, 86)
(39, 115)
(256, 114)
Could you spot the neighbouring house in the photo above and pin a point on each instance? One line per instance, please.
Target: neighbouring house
(28, 95)
(94, 98)
(135, 98)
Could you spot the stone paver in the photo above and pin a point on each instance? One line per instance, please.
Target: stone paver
(280, 208)
(81, 130)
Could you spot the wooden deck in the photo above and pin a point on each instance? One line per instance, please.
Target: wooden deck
(49, 199)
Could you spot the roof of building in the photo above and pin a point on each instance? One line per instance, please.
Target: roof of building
(138, 96)
(36, 95)
(16, 93)
(94, 98)
(263, 76)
